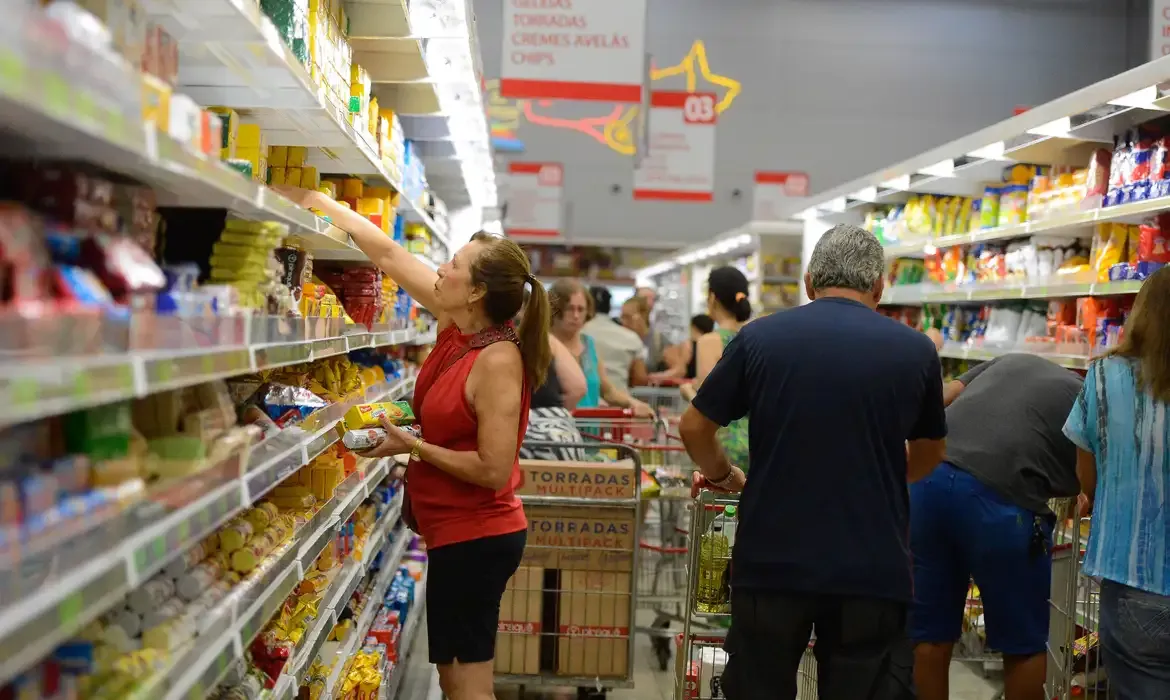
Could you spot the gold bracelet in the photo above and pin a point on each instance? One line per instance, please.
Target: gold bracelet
(416, 451)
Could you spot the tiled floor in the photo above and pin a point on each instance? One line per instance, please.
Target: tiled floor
(421, 682)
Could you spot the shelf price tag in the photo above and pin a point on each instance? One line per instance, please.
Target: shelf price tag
(69, 610)
(23, 391)
(13, 71)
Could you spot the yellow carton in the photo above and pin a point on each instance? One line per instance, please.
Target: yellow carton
(278, 156)
(310, 178)
(297, 156)
(276, 174)
(252, 136)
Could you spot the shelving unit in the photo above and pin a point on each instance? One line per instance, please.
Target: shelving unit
(64, 100)
(754, 247)
(1063, 133)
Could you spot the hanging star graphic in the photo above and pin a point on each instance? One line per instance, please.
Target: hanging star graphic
(615, 129)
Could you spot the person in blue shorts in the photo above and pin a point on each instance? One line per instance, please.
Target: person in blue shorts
(983, 515)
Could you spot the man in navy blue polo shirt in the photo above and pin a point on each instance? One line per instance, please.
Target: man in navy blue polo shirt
(845, 407)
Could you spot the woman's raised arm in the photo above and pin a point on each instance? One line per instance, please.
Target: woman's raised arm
(415, 277)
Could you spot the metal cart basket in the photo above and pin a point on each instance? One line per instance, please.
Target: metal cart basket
(567, 613)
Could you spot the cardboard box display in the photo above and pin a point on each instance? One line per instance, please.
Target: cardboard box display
(598, 539)
(602, 480)
(518, 634)
(593, 616)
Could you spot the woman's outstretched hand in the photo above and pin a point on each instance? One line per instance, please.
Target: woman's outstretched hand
(298, 195)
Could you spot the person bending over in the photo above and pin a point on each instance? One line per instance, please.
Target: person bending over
(983, 514)
(471, 399)
(832, 391)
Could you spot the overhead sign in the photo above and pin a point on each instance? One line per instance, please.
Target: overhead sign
(574, 50)
(1159, 29)
(680, 162)
(775, 191)
(535, 192)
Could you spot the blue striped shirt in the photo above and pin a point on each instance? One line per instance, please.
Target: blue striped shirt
(1127, 432)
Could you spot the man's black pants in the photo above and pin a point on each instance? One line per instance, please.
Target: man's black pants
(861, 647)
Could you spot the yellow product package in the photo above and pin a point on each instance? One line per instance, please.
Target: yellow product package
(368, 415)
(1112, 251)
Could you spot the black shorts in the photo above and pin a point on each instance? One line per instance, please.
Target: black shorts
(861, 648)
(465, 582)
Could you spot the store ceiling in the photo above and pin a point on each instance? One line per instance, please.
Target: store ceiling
(834, 88)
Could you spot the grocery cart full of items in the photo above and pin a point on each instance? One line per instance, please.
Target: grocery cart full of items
(1074, 659)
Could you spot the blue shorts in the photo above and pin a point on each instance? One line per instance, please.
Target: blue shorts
(962, 530)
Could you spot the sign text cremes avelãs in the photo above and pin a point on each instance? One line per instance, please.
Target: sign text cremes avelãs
(574, 50)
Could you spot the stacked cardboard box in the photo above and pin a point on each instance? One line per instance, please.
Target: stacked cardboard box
(585, 555)
(521, 608)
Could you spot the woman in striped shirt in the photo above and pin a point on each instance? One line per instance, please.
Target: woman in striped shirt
(1120, 426)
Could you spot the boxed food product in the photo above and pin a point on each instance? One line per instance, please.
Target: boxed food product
(601, 480)
(368, 415)
(519, 630)
(593, 634)
(597, 539)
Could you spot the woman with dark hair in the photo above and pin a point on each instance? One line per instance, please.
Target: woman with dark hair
(1120, 424)
(471, 399)
(728, 306)
(681, 359)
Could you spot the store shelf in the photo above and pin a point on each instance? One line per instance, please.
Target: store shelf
(913, 295)
(31, 389)
(390, 563)
(960, 351)
(1071, 223)
(1061, 132)
(390, 688)
(71, 585)
(197, 676)
(232, 56)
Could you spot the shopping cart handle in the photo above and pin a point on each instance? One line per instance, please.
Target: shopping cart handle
(668, 381)
(603, 412)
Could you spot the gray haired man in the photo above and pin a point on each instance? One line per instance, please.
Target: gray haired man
(845, 407)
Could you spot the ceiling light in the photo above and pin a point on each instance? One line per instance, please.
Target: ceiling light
(1058, 128)
(990, 152)
(865, 194)
(901, 182)
(1144, 98)
(943, 168)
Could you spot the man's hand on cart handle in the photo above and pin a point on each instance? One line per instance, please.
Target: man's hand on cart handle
(1084, 505)
(732, 483)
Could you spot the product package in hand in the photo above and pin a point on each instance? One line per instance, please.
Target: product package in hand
(369, 415)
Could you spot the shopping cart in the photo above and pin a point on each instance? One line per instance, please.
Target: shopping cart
(665, 398)
(663, 529)
(701, 657)
(972, 646)
(1074, 660)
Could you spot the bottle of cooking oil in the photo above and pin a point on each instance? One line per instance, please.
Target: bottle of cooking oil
(714, 551)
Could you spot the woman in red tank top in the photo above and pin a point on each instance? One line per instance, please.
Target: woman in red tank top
(471, 399)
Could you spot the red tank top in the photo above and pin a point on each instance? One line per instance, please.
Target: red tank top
(447, 509)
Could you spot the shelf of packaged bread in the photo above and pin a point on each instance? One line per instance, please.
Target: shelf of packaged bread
(196, 665)
(1070, 222)
(917, 294)
(59, 575)
(185, 352)
(975, 353)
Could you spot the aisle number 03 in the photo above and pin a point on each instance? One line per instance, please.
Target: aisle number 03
(699, 109)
